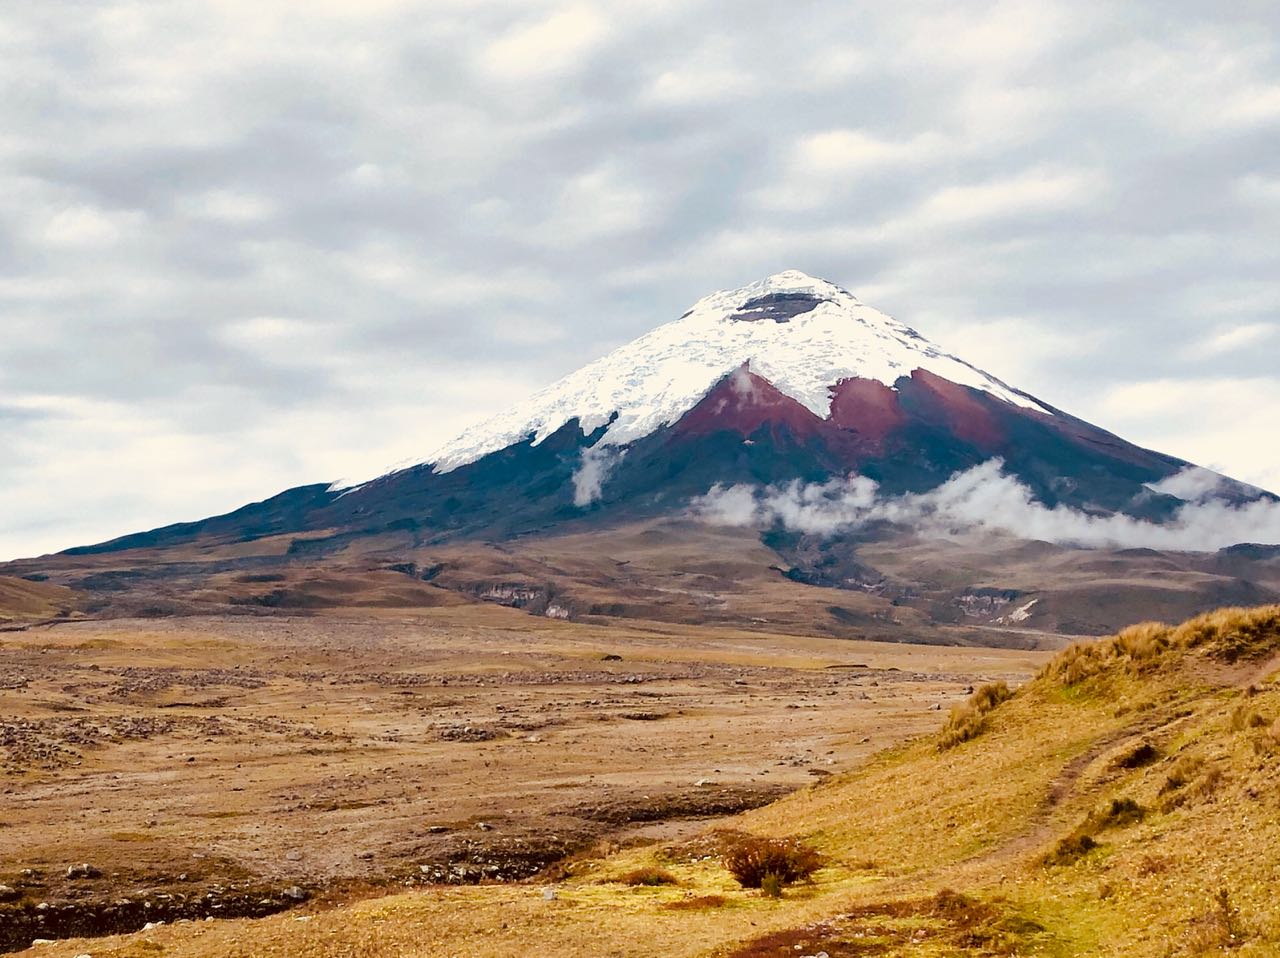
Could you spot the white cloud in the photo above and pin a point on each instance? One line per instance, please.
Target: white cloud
(229, 206)
(87, 226)
(824, 165)
(983, 500)
(1226, 424)
(555, 45)
(1231, 339)
(603, 202)
(1042, 190)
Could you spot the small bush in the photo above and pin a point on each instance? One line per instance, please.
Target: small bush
(751, 860)
(1121, 812)
(1070, 849)
(1139, 756)
(771, 886)
(649, 877)
(968, 721)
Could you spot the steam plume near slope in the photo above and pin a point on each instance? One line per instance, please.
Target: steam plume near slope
(984, 499)
(593, 469)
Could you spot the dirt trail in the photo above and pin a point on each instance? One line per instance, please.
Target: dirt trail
(1064, 787)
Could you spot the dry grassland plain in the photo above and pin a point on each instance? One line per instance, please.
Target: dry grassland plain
(232, 765)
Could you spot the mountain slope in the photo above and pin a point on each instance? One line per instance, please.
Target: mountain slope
(790, 378)
(801, 334)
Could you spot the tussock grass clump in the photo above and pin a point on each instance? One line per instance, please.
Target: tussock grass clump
(1140, 756)
(1245, 718)
(1184, 770)
(1071, 849)
(755, 861)
(1189, 779)
(1118, 813)
(969, 720)
(650, 877)
(1227, 635)
(1121, 812)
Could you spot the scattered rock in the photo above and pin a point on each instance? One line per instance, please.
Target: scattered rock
(295, 893)
(83, 870)
(294, 856)
(611, 657)
(9, 893)
(549, 894)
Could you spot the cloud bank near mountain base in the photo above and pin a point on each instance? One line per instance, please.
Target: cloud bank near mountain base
(985, 499)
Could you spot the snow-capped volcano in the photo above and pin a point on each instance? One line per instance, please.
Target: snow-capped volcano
(788, 420)
(790, 380)
(802, 335)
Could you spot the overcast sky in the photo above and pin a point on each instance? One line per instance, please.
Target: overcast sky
(248, 245)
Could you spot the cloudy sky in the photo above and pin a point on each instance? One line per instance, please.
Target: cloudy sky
(249, 244)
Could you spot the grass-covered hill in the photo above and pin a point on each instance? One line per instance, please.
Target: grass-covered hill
(1125, 802)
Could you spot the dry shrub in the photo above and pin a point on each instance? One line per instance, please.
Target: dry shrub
(650, 877)
(969, 720)
(752, 860)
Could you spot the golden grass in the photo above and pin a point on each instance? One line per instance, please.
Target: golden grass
(1184, 843)
(968, 721)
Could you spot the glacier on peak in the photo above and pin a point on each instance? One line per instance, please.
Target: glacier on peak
(802, 334)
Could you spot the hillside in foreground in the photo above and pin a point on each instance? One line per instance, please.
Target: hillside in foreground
(1124, 802)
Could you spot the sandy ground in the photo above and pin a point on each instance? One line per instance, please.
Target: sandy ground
(225, 765)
